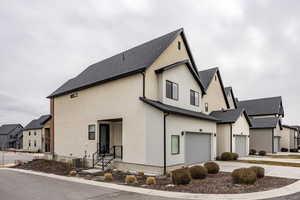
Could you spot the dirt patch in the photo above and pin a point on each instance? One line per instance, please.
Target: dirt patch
(47, 166)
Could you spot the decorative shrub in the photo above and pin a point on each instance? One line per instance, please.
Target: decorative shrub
(218, 158)
(198, 172)
(262, 153)
(73, 173)
(212, 167)
(141, 174)
(235, 156)
(243, 176)
(108, 177)
(181, 176)
(131, 179)
(150, 181)
(293, 150)
(259, 171)
(284, 149)
(252, 152)
(226, 156)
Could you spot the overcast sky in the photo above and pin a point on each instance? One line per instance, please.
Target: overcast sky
(43, 43)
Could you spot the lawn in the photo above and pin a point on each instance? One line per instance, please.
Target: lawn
(285, 156)
(264, 162)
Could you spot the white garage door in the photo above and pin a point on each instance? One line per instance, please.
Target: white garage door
(241, 145)
(197, 148)
(276, 144)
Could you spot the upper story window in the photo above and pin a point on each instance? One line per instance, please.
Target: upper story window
(29, 133)
(171, 90)
(34, 133)
(206, 107)
(194, 98)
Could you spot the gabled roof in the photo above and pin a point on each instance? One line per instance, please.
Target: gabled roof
(206, 76)
(9, 128)
(230, 90)
(267, 122)
(183, 62)
(38, 123)
(129, 62)
(263, 106)
(229, 116)
(176, 110)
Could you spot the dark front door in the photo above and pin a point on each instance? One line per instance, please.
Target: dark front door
(104, 138)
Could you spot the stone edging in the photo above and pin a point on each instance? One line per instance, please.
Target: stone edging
(287, 190)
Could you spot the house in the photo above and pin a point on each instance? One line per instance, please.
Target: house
(233, 125)
(36, 135)
(266, 115)
(298, 134)
(9, 135)
(288, 137)
(140, 110)
(232, 131)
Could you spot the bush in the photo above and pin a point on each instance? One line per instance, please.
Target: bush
(235, 156)
(243, 176)
(72, 173)
(226, 156)
(284, 149)
(181, 176)
(293, 150)
(252, 152)
(131, 179)
(198, 172)
(150, 181)
(212, 167)
(262, 153)
(108, 177)
(259, 171)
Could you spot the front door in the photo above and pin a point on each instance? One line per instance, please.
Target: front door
(104, 138)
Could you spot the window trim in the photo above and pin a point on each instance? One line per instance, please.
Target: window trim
(195, 102)
(178, 152)
(172, 92)
(90, 132)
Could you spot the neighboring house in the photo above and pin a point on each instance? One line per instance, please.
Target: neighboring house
(232, 131)
(298, 134)
(288, 138)
(143, 106)
(9, 135)
(266, 114)
(36, 135)
(230, 97)
(233, 127)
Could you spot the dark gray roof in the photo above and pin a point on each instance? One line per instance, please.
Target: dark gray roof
(176, 110)
(9, 128)
(206, 76)
(129, 62)
(229, 89)
(263, 106)
(267, 122)
(229, 116)
(38, 123)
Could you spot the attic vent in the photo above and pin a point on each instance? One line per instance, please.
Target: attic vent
(74, 95)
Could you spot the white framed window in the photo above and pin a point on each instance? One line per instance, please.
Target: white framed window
(92, 132)
(171, 90)
(194, 98)
(175, 144)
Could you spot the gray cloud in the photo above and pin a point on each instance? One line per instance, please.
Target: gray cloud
(43, 43)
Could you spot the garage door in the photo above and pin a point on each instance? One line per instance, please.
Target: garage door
(276, 144)
(241, 145)
(197, 148)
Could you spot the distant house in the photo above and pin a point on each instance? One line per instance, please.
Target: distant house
(298, 134)
(36, 135)
(10, 135)
(288, 138)
(265, 114)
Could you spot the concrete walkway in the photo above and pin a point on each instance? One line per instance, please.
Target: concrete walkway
(266, 158)
(270, 170)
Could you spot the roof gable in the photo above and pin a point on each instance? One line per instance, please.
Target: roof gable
(230, 116)
(229, 90)
(267, 122)
(38, 123)
(132, 61)
(8, 128)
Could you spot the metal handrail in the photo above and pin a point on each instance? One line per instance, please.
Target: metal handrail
(99, 156)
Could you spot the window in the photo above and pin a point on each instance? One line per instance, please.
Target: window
(29, 133)
(29, 143)
(194, 98)
(179, 45)
(175, 144)
(171, 90)
(206, 107)
(92, 132)
(34, 143)
(34, 133)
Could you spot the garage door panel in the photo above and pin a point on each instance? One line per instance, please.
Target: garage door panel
(276, 144)
(197, 148)
(241, 145)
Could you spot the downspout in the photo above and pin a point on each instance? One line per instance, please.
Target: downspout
(144, 76)
(231, 138)
(273, 141)
(165, 144)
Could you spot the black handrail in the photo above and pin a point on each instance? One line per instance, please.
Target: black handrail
(100, 154)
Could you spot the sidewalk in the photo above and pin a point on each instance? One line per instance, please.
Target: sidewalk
(266, 158)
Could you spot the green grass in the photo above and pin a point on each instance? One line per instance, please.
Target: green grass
(285, 156)
(275, 163)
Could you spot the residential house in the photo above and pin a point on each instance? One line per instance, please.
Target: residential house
(36, 135)
(298, 134)
(9, 135)
(288, 137)
(142, 107)
(233, 125)
(265, 114)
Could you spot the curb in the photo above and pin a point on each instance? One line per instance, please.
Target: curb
(287, 190)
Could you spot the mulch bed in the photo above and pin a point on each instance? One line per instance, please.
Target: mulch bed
(220, 183)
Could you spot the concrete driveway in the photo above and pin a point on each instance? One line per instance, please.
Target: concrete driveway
(7, 158)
